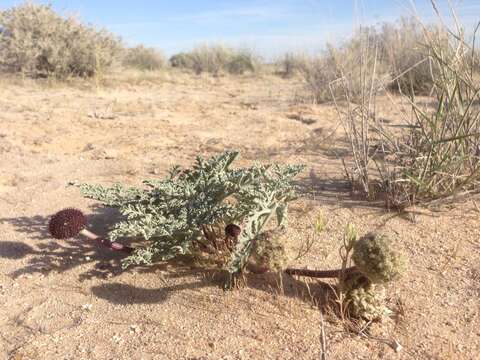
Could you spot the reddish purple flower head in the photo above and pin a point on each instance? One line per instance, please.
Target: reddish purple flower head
(233, 230)
(67, 223)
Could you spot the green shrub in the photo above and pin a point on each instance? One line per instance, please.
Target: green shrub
(38, 42)
(143, 58)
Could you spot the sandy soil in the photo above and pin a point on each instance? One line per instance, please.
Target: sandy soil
(70, 299)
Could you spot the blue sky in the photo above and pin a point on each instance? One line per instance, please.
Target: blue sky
(270, 27)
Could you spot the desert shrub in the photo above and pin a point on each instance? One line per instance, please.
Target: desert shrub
(318, 75)
(143, 58)
(38, 42)
(292, 64)
(408, 55)
(210, 59)
(214, 59)
(336, 72)
(397, 51)
(436, 153)
(441, 154)
(242, 62)
(211, 212)
(181, 60)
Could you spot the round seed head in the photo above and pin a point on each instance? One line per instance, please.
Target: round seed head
(375, 258)
(268, 251)
(232, 230)
(364, 299)
(66, 223)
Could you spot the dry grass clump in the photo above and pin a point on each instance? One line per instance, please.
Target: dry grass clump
(406, 50)
(143, 58)
(441, 154)
(435, 153)
(339, 63)
(215, 59)
(38, 42)
(318, 73)
(292, 64)
(181, 60)
(399, 51)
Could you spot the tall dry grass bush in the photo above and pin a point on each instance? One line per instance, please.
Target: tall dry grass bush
(338, 63)
(401, 56)
(143, 58)
(181, 60)
(37, 42)
(407, 54)
(434, 154)
(358, 91)
(216, 59)
(442, 154)
(292, 64)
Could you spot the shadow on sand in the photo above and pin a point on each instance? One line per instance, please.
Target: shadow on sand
(313, 292)
(51, 255)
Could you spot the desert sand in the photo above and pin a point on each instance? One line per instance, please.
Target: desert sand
(69, 299)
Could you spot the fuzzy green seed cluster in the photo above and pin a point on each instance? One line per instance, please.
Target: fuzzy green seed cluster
(375, 257)
(366, 301)
(269, 252)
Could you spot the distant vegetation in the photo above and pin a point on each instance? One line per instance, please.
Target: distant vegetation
(432, 154)
(398, 53)
(215, 59)
(144, 58)
(37, 42)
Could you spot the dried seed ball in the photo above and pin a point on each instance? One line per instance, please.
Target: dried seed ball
(366, 300)
(375, 257)
(232, 230)
(268, 251)
(367, 303)
(66, 223)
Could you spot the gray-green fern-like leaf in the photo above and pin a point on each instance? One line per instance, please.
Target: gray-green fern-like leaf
(172, 213)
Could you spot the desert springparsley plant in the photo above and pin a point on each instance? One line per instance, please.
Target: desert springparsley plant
(187, 212)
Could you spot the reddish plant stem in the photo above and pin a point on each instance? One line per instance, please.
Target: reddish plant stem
(113, 245)
(321, 273)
